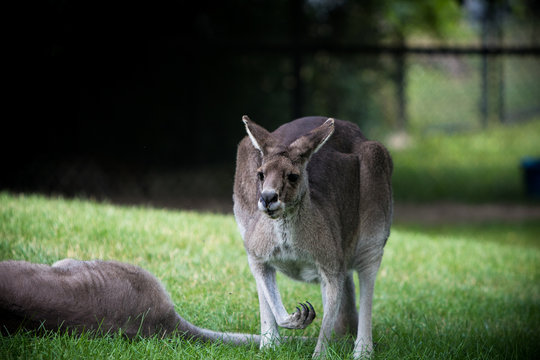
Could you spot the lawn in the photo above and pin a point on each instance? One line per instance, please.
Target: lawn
(482, 166)
(443, 292)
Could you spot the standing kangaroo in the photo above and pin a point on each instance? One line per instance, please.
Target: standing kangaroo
(104, 296)
(313, 199)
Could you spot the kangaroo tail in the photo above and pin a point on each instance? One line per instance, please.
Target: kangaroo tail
(190, 331)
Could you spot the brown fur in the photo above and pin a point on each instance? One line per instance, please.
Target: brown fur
(97, 296)
(330, 217)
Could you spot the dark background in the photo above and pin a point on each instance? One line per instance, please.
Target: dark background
(101, 95)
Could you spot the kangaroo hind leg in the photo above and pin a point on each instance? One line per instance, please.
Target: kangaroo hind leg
(347, 319)
(363, 346)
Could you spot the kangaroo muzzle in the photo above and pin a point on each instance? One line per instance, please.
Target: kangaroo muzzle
(269, 202)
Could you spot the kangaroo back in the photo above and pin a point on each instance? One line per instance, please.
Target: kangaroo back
(84, 295)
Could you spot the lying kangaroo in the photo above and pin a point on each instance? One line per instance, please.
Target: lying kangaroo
(313, 199)
(103, 296)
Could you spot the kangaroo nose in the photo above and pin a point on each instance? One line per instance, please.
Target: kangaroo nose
(268, 197)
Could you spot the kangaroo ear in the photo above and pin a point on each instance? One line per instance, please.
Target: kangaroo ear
(259, 136)
(307, 145)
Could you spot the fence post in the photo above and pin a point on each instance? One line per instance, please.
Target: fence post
(401, 88)
(297, 93)
(484, 72)
(492, 64)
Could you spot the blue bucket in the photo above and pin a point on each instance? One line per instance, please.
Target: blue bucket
(531, 176)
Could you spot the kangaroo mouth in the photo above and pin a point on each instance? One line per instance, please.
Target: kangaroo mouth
(273, 212)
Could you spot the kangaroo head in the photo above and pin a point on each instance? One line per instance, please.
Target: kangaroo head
(282, 176)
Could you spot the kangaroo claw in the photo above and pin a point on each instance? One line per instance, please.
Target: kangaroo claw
(301, 318)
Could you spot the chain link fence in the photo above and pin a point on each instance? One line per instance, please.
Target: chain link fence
(470, 91)
(188, 104)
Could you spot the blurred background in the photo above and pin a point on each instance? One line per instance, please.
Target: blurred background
(141, 103)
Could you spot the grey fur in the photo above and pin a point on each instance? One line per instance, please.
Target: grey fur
(100, 296)
(331, 217)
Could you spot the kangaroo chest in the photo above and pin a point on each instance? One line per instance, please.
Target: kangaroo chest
(286, 255)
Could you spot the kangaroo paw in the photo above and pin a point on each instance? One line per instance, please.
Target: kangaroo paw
(301, 318)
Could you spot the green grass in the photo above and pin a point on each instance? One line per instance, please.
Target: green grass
(452, 157)
(467, 292)
(476, 167)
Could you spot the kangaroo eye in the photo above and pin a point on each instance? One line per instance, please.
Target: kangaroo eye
(293, 177)
(260, 176)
